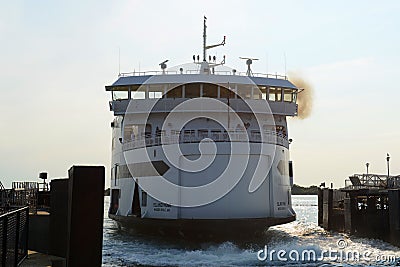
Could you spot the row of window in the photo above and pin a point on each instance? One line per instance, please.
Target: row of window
(194, 90)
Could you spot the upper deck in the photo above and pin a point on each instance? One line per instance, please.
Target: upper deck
(170, 89)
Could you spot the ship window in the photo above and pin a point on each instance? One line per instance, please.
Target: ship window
(226, 93)
(210, 90)
(190, 133)
(203, 133)
(138, 95)
(275, 94)
(192, 90)
(244, 91)
(130, 132)
(260, 92)
(156, 91)
(288, 95)
(175, 132)
(144, 199)
(119, 95)
(294, 96)
(216, 135)
(175, 92)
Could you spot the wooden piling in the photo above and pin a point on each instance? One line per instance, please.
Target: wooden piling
(350, 206)
(327, 208)
(394, 216)
(320, 207)
(59, 217)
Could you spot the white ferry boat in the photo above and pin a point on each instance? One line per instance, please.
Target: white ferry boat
(201, 149)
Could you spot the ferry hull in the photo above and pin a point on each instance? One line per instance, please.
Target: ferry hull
(199, 228)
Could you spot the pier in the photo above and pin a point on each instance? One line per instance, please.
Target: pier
(40, 225)
(368, 206)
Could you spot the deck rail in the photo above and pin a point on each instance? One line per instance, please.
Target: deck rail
(14, 236)
(267, 137)
(196, 71)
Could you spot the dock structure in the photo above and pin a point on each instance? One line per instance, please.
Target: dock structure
(368, 205)
(24, 194)
(61, 223)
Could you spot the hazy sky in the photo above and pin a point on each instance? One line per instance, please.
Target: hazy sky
(57, 56)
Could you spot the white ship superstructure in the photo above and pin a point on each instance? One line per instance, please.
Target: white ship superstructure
(199, 150)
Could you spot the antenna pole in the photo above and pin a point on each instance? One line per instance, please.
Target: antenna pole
(284, 56)
(204, 39)
(119, 60)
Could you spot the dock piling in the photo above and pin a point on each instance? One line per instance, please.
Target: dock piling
(85, 216)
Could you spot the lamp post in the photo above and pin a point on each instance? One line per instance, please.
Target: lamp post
(387, 159)
(367, 164)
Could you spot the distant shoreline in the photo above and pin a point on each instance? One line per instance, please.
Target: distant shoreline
(300, 190)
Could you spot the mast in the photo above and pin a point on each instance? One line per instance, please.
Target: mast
(204, 39)
(204, 65)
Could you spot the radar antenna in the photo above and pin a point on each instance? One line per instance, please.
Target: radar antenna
(249, 61)
(163, 65)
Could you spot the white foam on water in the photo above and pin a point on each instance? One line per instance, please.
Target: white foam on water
(122, 249)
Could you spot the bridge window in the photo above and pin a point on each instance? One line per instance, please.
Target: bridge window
(156, 91)
(192, 90)
(119, 95)
(226, 93)
(289, 95)
(175, 92)
(260, 92)
(275, 94)
(244, 91)
(138, 95)
(210, 90)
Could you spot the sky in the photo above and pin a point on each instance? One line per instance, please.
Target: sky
(57, 56)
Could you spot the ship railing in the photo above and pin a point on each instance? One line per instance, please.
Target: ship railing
(145, 73)
(267, 137)
(196, 71)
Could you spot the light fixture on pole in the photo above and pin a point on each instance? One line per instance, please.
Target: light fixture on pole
(387, 159)
(367, 164)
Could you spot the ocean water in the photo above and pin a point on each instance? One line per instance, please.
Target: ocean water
(298, 241)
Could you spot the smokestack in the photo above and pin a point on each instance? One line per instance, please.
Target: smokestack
(305, 97)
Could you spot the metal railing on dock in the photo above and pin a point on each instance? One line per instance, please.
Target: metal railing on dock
(371, 181)
(24, 194)
(14, 236)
